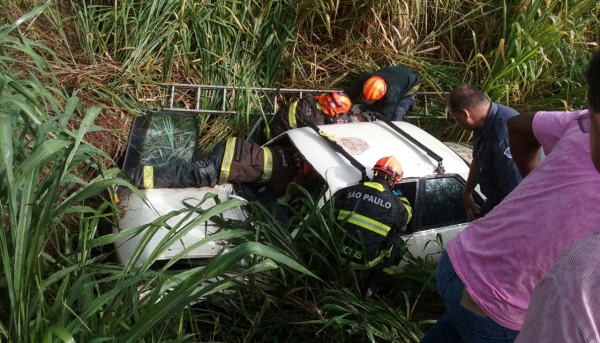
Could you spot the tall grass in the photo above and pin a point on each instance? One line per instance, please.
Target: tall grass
(58, 284)
(539, 56)
(213, 42)
(528, 55)
(285, 305)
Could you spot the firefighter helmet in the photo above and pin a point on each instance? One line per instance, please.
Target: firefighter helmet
(335, 103)
(374, 88)
(390, 166)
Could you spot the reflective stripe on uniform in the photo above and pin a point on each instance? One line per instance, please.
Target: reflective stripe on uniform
(292, 115)
(267, 164)
(227, 159)
(148, 177)
(413, 90)
(392, 270)
(372, 263)
(364, 222)
(408, 208)
(375, 185)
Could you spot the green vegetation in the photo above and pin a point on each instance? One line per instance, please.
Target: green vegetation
(64, 65)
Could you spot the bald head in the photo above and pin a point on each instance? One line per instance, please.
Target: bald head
(468, 106)
(466, 97)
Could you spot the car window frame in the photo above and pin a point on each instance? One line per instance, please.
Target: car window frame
(138, 135)
(420, 196)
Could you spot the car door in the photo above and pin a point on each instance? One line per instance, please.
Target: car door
(438, 210)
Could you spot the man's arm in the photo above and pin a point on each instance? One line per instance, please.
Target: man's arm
(470, 206)
(403, 215)
(524, 146)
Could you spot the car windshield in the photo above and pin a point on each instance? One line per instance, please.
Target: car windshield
(162, 138)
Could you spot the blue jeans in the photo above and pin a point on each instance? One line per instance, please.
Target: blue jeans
(459, 324)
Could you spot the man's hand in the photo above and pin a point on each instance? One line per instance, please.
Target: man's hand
(470, 206)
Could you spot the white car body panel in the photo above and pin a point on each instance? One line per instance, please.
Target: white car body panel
(163, 201)
(382, 141)
(423, 243)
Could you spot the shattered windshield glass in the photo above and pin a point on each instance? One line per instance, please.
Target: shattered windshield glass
(162, 138)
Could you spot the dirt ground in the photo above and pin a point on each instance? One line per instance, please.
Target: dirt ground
(112, 138)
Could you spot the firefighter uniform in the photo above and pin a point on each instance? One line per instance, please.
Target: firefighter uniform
(402, 86)
(233, 160)
(293, 115)
(371, 214)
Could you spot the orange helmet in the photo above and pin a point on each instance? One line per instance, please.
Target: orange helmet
(335, 103)
(374, 88)
(390, 166)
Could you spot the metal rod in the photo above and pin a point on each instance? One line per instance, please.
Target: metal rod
(172, 96)
(198, 98)
(301, 92)
(282, 90)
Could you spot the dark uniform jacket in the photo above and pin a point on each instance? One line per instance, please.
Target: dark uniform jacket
(369, 212)
(293, 115)
(233, 160)
(401, 82)
(497, 174)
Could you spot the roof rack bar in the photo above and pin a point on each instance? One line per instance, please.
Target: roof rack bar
(436, 157)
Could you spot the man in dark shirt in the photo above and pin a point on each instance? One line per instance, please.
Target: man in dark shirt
(492, 167)
(389, 91)
(373, 215)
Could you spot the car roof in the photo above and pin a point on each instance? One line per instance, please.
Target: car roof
(370, 142)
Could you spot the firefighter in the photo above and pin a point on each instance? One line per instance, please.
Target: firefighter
(373, 215)
(390, 91)
(233, 160)
(321, 109)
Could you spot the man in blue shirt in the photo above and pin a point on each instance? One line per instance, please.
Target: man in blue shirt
(492, 167)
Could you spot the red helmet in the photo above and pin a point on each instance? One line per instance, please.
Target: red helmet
(390, 166)
(374, 88)
(335, 103)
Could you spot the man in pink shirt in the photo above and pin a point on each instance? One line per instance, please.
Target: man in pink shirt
(565, 305)
(489, 270)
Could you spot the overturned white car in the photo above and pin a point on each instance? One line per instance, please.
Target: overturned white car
(434, 179)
